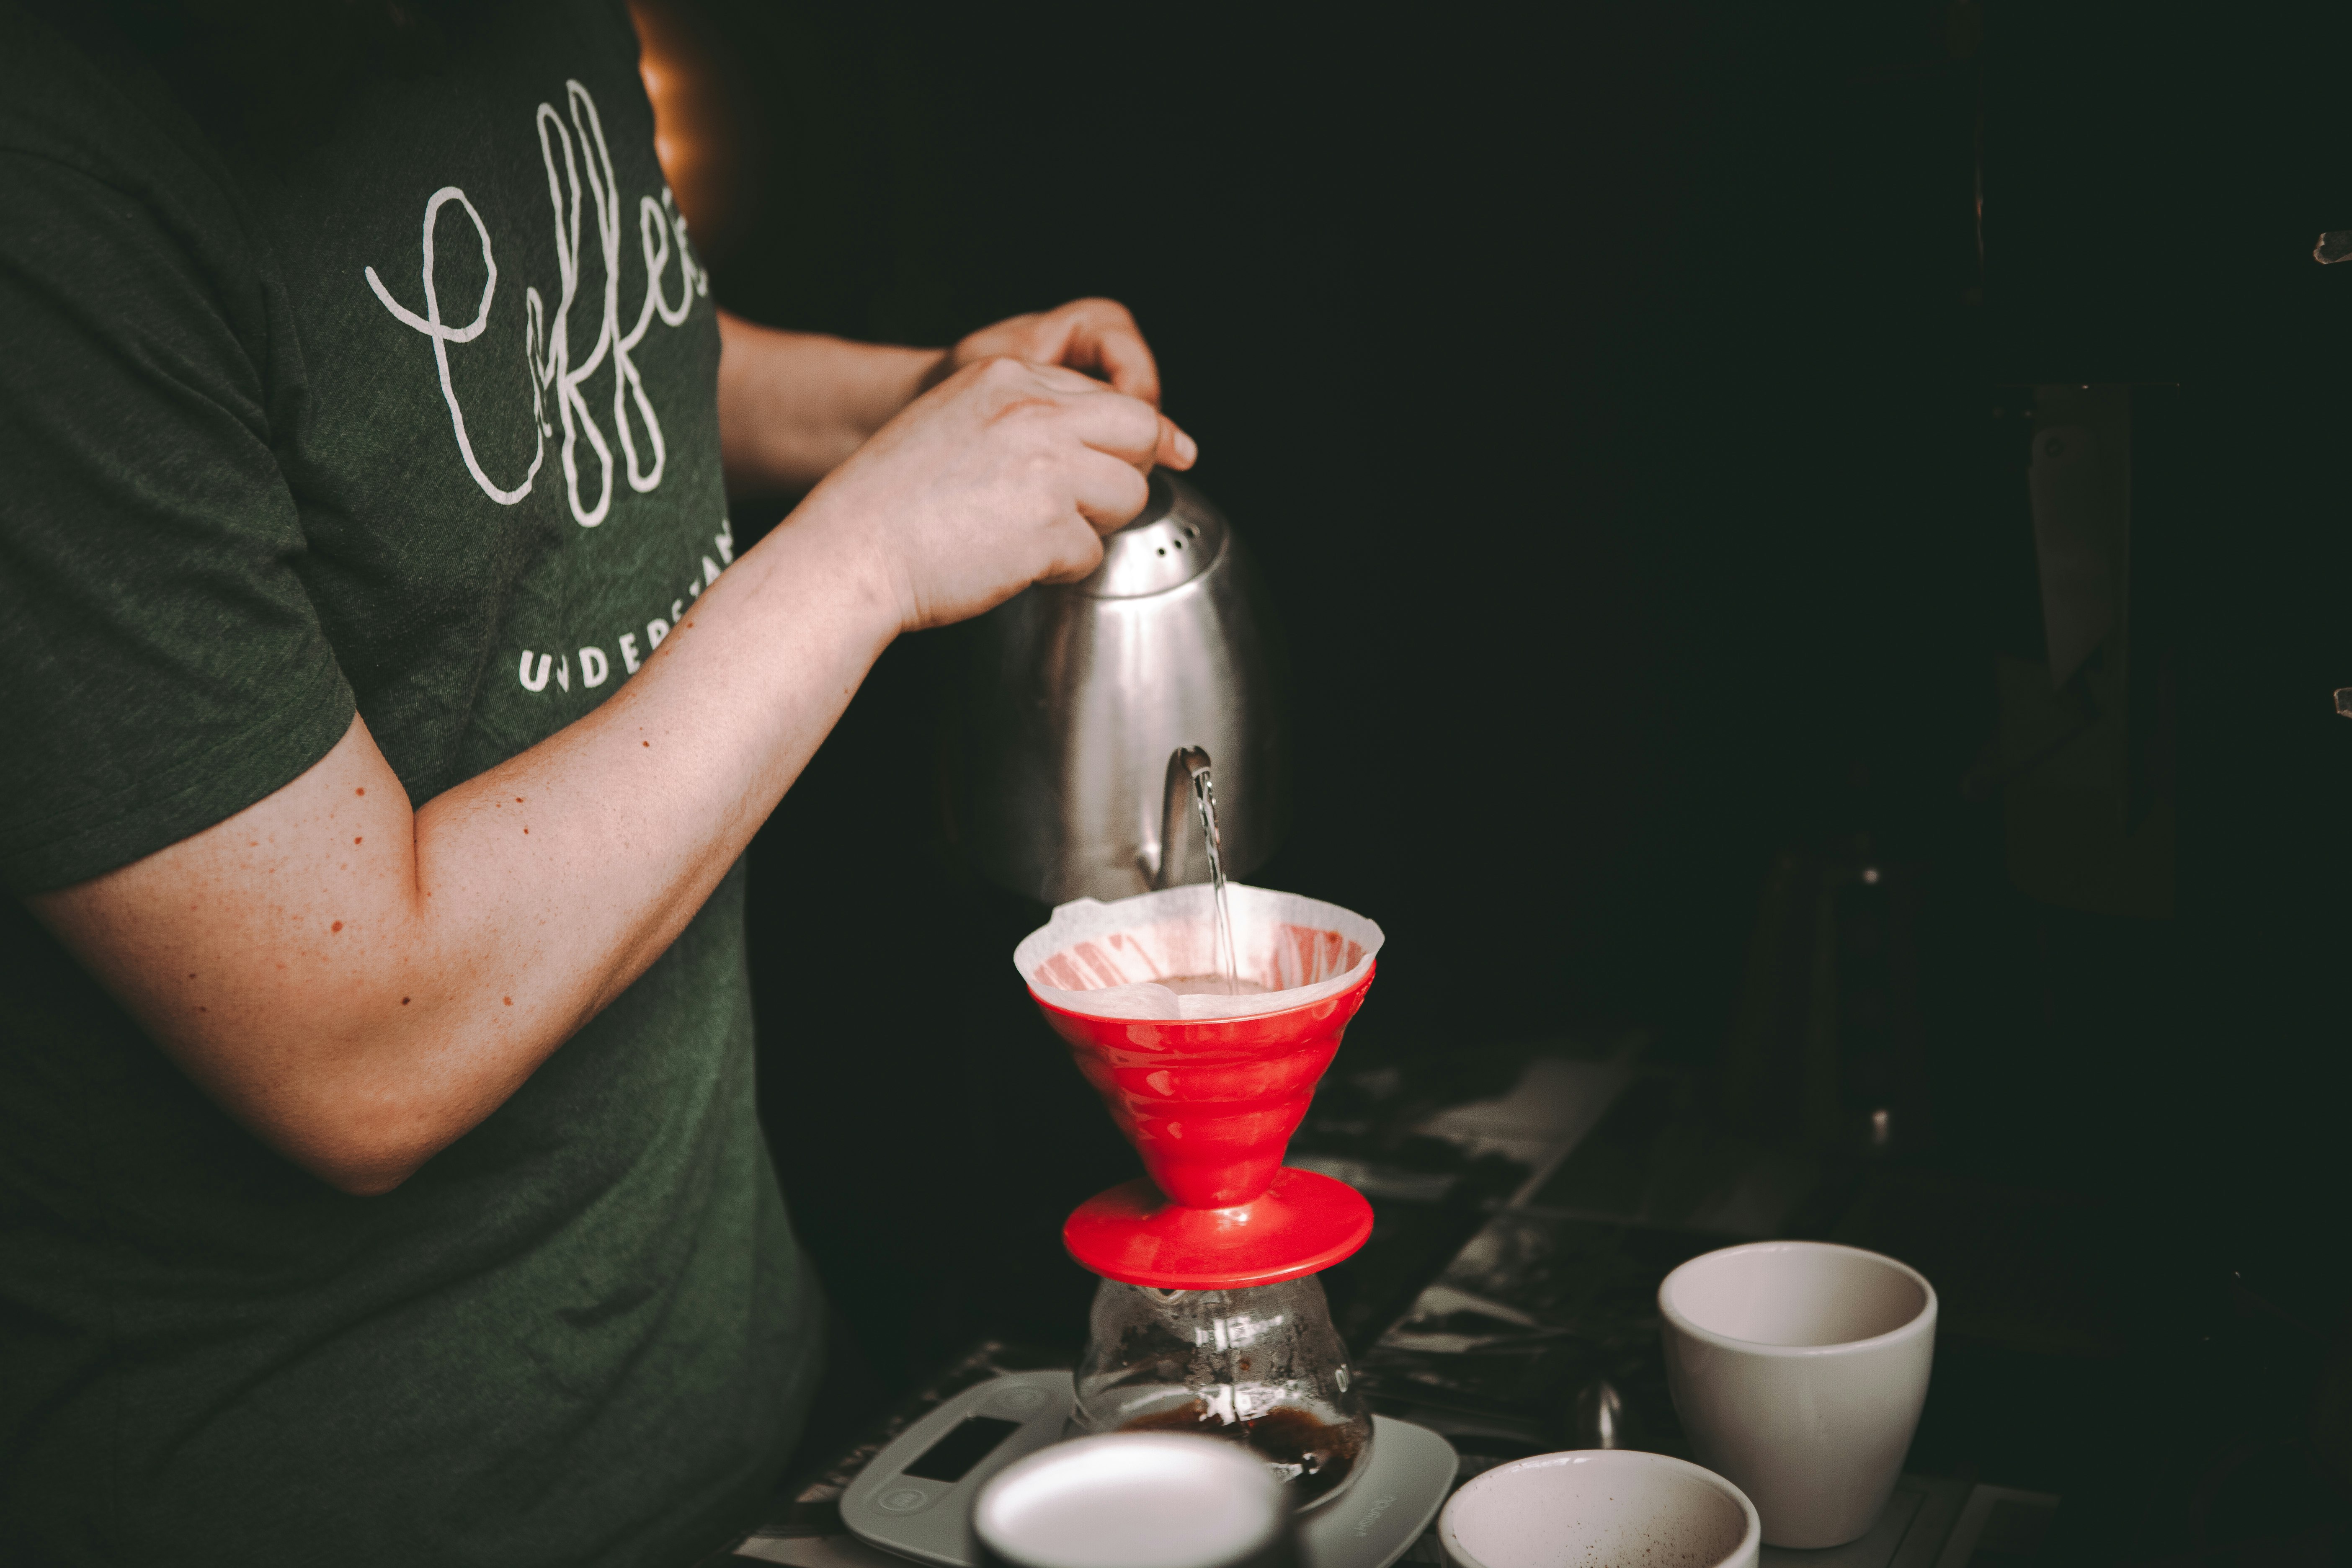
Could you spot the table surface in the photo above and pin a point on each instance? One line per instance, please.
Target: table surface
(1527, 1211)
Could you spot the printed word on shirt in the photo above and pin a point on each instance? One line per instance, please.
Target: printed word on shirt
(595, 668)
(555, 369)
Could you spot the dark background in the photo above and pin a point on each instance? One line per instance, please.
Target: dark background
(1611, 398)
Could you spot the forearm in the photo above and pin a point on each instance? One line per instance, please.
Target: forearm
(570, 868)
(792, 405)
(405, 972)
(360, 983)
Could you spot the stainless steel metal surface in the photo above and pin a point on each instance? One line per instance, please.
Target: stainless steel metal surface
(1077, 694)
(1600, 1418)
(1176, 812)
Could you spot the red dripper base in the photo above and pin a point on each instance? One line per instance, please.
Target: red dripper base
(1302, 1224)
(1210, 1103)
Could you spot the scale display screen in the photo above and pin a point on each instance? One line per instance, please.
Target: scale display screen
(953, 1456)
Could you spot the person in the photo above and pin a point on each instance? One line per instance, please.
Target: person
(390, 706)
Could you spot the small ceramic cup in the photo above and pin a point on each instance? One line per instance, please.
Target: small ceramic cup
(1798, 1369)
(1599, 1505)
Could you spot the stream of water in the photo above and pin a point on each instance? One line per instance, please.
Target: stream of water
(1204, 799)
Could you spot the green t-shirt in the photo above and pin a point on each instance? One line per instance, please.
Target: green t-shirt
(417, 419)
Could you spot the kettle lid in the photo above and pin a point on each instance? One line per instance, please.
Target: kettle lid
(1177, 537)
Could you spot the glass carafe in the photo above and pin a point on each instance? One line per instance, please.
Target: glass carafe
(1261, 1365)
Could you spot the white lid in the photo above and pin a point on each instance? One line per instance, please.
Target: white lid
(1132, 1499)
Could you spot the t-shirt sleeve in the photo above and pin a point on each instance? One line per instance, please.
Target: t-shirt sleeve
(161, 667)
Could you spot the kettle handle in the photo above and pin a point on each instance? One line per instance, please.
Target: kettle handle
(1184, 763)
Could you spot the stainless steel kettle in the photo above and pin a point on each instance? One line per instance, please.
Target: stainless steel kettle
(1079, 693)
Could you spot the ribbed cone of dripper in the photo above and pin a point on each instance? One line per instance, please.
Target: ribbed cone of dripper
(1208, 1088)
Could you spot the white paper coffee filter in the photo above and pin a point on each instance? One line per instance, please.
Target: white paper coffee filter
(1101, 959)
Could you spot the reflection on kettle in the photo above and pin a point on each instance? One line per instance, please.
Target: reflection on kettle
(1077, 694)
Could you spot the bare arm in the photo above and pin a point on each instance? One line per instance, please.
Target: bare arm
(360, 983)
(793, 405)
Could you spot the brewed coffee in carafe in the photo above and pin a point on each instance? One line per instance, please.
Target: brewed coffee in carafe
(1260, 1366)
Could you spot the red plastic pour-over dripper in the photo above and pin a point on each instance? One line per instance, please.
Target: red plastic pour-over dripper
(1211, 1103)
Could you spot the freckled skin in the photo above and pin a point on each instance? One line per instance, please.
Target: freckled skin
(943, 512)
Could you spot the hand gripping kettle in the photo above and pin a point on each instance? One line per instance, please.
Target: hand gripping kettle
(1079, 692)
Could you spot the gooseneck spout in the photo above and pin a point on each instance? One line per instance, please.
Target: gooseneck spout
(1185, 764)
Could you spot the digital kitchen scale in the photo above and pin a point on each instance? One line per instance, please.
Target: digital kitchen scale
(914, 1500)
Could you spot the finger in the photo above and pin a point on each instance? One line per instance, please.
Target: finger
(1127, 427)
(1112, 423)
(1177, 450)
(1097, 335)
(1117, 348)
(1061, 378)
(1108, 492)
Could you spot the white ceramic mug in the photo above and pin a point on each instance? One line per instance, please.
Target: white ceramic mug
(1799, 1368)
(1599, 1505)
